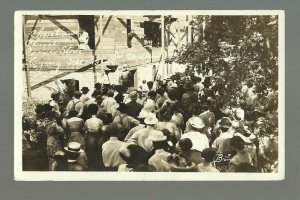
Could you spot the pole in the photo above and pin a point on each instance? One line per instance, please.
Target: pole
(101, 34)
(25, 62)
(95, 58)
(189, 30)
(163, 40)
(178, 34)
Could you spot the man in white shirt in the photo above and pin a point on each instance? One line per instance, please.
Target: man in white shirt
(199, 140)
(75, 103)
(110, 149)
(141, 136)
(109, 103)
(221, 143)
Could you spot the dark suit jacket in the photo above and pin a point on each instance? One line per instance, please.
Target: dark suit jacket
(133, 109)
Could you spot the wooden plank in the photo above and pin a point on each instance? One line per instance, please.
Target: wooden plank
(63, 74)
(26, 66)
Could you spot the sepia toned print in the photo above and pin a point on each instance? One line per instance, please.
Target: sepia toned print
(149, 95)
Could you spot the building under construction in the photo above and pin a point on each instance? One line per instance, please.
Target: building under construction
(138, 45)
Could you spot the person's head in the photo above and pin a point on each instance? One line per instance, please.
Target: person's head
(197, 124)
(188, 86)
(142, 116)
(158, 139)
(186, 99)
(207, 104)
(133, 95)
(152, 95)
(73, 151)
(98, 86)
(195, 108)
(73, 113)
(40, 110)
(208, 154)
(185, 144)
(151, 119)
(150, 84)
(239, 114)
(250, 84)
(77, 94)
(133, 155)
(160, 91)
(165, 114)
(85, 90)
(104, 91)
(113, 129)
(110, 93)
(50, 115)
(93, 109)
(119, 98)
(237, 143)
(172, 94)
(55, 96)
(225, 124)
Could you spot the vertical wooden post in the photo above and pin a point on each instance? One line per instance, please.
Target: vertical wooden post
(101, 34)
(95, 57)
(163, 40)
(178, 33)
(25, 62)
(189, 30)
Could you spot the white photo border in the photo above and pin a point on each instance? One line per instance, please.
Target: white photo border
(20, 175)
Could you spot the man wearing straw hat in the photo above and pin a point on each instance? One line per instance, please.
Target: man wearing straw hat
(141, 137)
(199, 140)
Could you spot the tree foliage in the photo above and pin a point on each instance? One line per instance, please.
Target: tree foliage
(236, 48)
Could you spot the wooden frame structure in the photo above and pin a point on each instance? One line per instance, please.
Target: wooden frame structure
(98, 56)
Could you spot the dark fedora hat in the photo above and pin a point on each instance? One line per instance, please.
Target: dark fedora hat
(85, 89)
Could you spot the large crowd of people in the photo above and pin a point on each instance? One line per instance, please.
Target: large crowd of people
(160, 126)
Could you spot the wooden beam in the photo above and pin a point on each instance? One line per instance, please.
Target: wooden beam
(25, 62)
(135, 35)
(163, 40)
(101, 37)
(62, 27)
(189, 30)
(178, 34)
(104, 29)
(65, 74)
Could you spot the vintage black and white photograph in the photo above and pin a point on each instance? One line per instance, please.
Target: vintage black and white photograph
(122, 95)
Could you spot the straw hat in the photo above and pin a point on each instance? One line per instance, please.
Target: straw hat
(151, 119)
(74, 147)
(197, 122)
(157, 136)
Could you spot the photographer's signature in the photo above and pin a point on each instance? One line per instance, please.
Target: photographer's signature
(222, 157)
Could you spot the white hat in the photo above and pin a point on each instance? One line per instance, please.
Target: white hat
(143, 114)
(74, 147)
(239, 113)
(149, 106)
(197, 122)
(157, 136)
(151, 119)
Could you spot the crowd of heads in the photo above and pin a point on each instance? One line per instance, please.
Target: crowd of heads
(168, 120)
